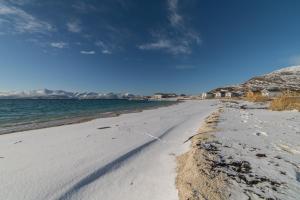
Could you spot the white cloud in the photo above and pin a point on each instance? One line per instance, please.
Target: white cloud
(177, 38)
(83, 7)
(160, 44)
(170, 46)
(106, 51)
(21, 2)
(105, 48)
(74, 26)
(174, 17)
(19, 21)
(88, 52)
(59, 45)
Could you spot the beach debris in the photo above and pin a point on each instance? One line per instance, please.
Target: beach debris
(104, 127)
(18, 142)
(298, 176)
(260, 155)
(282, 172)
(243, 107)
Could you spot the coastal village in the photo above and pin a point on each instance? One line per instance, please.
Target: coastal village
(222, 93)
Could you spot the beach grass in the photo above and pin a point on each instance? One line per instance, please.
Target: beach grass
(288, 101)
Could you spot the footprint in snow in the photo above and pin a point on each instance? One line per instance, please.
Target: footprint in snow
(259, 133)
(257, 126)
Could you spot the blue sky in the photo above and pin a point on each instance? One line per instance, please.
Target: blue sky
(141, 46)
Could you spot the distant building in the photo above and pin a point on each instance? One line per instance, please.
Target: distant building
(233, 94)
(273, 92)
(164, 95)
(220, 94)
(228, 94)
(207, 95)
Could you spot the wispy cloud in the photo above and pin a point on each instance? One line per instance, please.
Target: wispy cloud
(74, 26)
(59, 45)
(105, 48)
(179, 38)
(83, 7)
(88, 52)
(20, 21)
(171, 46)
(106, 52)
(174, 17)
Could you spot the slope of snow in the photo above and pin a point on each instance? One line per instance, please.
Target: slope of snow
(270, 142)
(292, 69)
(284, 79)
(127, 157)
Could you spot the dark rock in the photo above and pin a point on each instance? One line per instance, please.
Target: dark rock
(261, 155)
(104, 127)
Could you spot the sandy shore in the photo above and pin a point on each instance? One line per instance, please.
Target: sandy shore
(132, 156)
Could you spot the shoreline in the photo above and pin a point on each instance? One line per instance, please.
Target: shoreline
(78, 119)
(129, 153)
(195, 178)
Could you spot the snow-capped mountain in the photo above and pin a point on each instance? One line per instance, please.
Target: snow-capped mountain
(284, 79)
(60, 94)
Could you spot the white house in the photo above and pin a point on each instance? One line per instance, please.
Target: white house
(220, 94)
(157, 96)
(164, 96)
(233, 94)
(271, 93)
(228, 94)
(207, 95)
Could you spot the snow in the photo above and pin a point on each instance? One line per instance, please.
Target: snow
(131, 156)
(249, 134)
(293, 69)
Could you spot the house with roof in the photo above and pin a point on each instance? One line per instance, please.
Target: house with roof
(207, 95)
(233, 94)
(220, 94)
(164, 95)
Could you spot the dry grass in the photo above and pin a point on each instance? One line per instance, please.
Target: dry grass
(288, 101)
(256, 97)
(195, 179)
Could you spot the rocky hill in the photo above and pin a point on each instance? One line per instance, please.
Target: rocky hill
(283, 79)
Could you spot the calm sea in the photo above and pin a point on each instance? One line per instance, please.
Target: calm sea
(26, 114)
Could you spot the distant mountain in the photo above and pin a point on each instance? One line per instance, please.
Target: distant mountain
(60, 94)
(283, 79)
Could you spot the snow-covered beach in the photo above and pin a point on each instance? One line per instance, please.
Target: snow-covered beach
(252, 152)
(132, 156)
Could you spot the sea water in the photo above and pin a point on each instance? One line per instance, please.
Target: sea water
(26, 114)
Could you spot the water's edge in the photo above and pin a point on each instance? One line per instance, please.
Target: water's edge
(76, 120)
